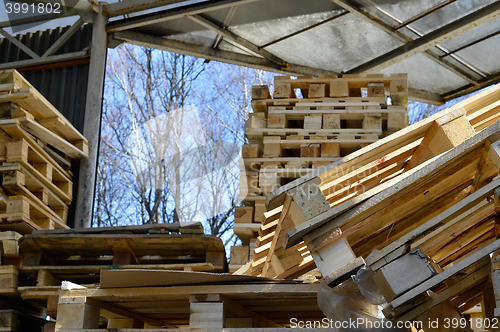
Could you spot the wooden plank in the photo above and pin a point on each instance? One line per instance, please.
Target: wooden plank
(49, 137)
(434, 223)
(206, 315)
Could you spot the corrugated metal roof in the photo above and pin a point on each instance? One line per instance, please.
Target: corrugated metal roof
(444, 68)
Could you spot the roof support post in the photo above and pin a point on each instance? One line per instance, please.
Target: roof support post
(92, 121)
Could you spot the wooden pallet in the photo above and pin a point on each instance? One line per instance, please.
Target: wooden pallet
(16, 89)
(17, 321)
(258, 304)
(9, 241)
(23, 215)
(35, 160)
(79, 257)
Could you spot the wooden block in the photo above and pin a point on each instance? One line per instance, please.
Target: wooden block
(339, 88)
(305, 202)
(399, 99)
(276, 121)
(393, 279)
(372, 122)
(260, 92)
(396, 121)
(345, 272)
(268, 181)
(8, 278)
(259, 106)
(249, 179)
(239, 255)
(316, 90)
(75, 313)
(283, 90)
(310, 151)
(243, 214)
(207, 315)
(399, 86)
(330, 150)
(10, 319)
(256, 120)
(260, 208)
(332, 255)
(376, 90)
(331, 121)
(10, 80)
(272, 150)
(250, 151)
(312, 121)
(45, 278)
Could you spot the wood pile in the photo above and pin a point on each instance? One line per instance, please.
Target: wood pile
(50, 257)
(419, 208)
(161, 300)
(309, 123)
(36, 146)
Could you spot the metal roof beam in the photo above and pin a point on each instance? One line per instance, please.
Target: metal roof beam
(403, 38)
(45, 61)
(204, 21)
(425, 96)
(423, 14)
(134, 6)
(171, 14)
(210, 53)
(304, 30)
(432, 39)
(490, 80)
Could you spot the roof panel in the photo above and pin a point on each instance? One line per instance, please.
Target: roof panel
(337, 45)
(425, 74)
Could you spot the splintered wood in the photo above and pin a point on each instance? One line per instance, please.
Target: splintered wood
(36, 145)
(419, 208)
(289, 137)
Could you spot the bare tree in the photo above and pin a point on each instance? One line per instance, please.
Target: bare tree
(171, 139)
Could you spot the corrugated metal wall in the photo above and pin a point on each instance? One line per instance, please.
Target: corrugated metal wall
(65, 86)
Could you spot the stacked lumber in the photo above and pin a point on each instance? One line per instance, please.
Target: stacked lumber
(36, 146)
(163, 300)
(15, 315)
(419, 208)
(309, 123)
(80, 255)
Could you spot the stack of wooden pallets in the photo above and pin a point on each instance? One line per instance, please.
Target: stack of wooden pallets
(309, 123)
(36, 146)
(417, 209)
(80, 255)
